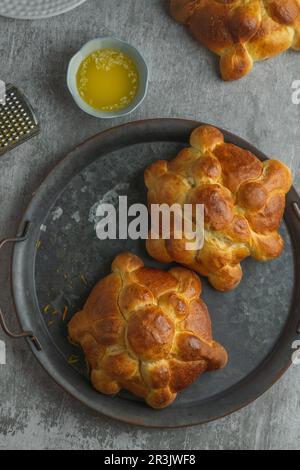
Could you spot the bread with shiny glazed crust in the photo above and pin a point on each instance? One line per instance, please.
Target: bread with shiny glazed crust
(244, 201)
(241, 31)
(146, 331)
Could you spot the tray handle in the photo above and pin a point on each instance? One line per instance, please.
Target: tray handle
(296, 209)
(3, 325)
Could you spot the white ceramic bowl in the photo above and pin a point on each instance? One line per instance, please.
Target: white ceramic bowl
(108, 43)
(34, 9)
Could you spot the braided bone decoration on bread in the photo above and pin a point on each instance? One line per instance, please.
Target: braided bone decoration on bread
(147, 331)
(244, 203)
(241, 31)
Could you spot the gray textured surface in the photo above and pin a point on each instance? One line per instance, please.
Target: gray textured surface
(34, 412)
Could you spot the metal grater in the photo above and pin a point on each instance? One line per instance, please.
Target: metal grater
(18, 122)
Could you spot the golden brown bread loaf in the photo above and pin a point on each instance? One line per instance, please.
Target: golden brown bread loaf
(241, 31)
(146, 331)
(244, 203)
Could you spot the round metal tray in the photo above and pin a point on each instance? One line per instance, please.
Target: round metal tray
(60, 259)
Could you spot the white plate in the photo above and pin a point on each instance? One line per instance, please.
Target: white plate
(34, 9)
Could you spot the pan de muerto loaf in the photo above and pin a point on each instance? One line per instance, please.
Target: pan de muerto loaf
(243, 198)
(241, 31)
(146, 331)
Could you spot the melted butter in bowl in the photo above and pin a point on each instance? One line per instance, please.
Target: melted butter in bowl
(108, 78)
